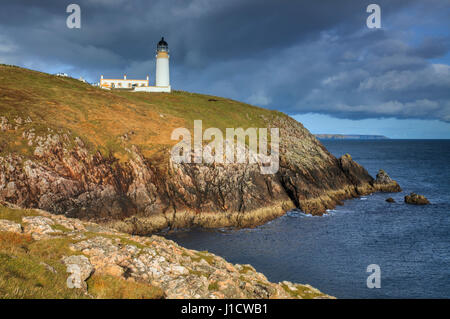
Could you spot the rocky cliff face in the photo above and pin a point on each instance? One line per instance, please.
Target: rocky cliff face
(143, 194)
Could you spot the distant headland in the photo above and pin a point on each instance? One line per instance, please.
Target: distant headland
(350, 137)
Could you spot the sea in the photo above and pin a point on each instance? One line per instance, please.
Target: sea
(410, 244)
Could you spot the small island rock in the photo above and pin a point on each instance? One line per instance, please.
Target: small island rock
(416, 199)
(384, 183)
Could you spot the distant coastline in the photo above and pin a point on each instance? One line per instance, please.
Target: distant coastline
(350, 137)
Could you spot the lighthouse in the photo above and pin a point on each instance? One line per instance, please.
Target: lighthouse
(162, 64)
(162, 83)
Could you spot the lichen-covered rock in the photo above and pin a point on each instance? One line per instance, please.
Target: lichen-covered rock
(10, 226)
(80, 268)
(38, 226)
(154, 261)
(4, 125)
(416, 199)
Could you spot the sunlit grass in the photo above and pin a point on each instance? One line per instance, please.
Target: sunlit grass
(100, 117)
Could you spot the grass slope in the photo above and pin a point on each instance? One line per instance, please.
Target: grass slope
(33, 269)
(100, 117)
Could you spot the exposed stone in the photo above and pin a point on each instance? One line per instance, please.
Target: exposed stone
(38, 226)
(154, 260)
(384, 183)
(416, 199)
(141, 195)
(390, 200)
(10, 226)
(4, 125)
(80, 268)
(18, 120)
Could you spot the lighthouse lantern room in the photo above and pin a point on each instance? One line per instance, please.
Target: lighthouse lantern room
(162, 64)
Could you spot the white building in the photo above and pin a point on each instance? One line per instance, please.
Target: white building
(162, 75)
(122, 83)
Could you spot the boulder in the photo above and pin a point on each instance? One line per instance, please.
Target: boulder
(416, 199)
(384, 183)
(383, 177)
(390, 200)
(38, 227)
(80, 269)
(9, 226)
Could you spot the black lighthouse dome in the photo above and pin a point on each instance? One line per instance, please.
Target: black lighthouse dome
(162, 45)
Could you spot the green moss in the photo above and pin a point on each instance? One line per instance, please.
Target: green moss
(60, 228)
(198, 273)
(205, 256)
(214, 286)
(245, 269)
(303, 292)
(123, 240)
(126, 241)
(16, 215)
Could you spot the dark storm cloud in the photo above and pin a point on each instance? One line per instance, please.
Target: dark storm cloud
(296, 56)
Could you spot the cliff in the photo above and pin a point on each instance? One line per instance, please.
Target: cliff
(350, 137)
(43, 255)
(69, 148)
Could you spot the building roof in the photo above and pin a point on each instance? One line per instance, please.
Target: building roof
(162, 42)
(162, 45)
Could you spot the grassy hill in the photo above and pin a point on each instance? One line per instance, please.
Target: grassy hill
(119, 173)
(101, 117)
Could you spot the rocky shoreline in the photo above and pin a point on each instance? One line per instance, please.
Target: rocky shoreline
(164, 268)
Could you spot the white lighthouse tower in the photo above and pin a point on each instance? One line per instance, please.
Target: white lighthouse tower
(162, 64)
(162, 83)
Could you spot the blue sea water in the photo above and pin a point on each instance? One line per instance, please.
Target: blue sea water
(411, 244)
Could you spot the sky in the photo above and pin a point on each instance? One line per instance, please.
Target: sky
(314, 60)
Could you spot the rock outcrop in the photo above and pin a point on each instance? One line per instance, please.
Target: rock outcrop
(146, 194)
(81, 267)
(384, 183)
(416, 199)
(94, 250)
(10, 226)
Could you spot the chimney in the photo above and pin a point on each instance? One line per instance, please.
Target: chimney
(125, 77)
